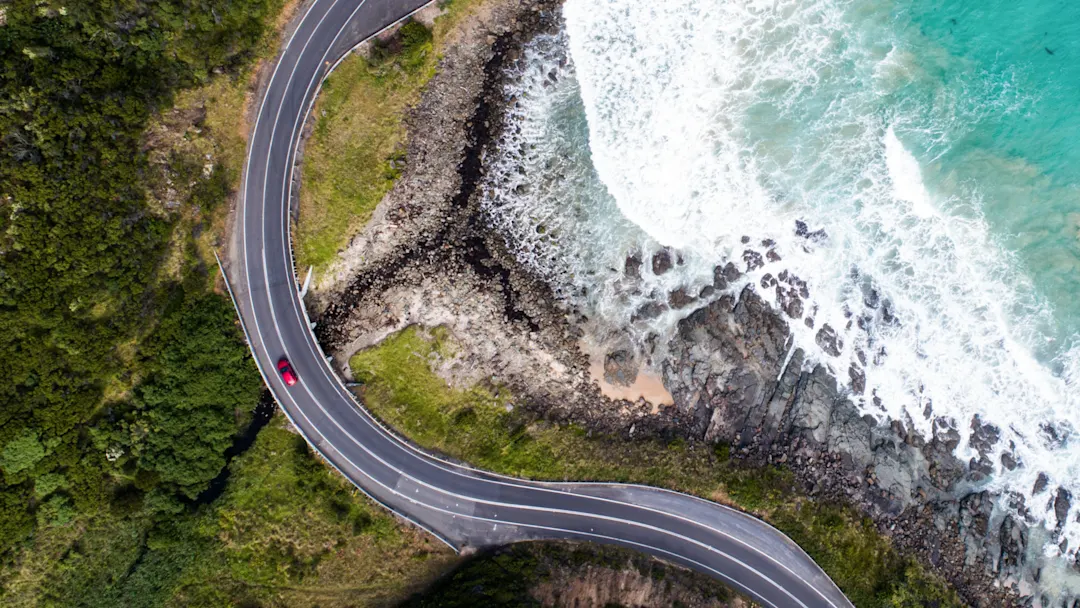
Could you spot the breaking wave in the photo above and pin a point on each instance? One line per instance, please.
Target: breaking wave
(839, 139)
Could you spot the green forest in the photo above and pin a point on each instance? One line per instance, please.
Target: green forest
(122, 385)
(125, 378)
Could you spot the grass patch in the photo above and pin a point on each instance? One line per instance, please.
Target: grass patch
(476, 424)
(356, 150)
(291, 532)
(197, 150)
(288, 531)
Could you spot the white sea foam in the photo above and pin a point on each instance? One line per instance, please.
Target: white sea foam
(543, 194)
(712, 120)
(906, 176)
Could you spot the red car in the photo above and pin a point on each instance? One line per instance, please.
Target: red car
(287, 373)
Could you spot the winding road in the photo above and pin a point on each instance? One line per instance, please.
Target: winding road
(463, 507)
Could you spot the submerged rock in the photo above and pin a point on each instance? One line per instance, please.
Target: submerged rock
(828, 340)
(753, 260)
(680, 298)
(620, 367)
(1062, 502)
(725, 275)
(983, 436)
(858, 379)
(727, 370)
(661, 261)
(647, 311)
(789, 302)
(1040, 484)
(801, 229)
(1008, 461)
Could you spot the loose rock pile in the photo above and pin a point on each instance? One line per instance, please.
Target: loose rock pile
(429, 258)
(727, 375)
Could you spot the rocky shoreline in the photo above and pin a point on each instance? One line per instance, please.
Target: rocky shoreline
(430, 257)
(728, 374)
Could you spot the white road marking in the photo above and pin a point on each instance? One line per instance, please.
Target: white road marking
(616, 540)
(390, 436)
(522, 507)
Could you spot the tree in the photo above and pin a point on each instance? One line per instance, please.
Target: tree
(201, 376)
(21, 453)
(79, 244)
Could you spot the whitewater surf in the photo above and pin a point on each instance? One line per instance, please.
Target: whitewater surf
(917, 184)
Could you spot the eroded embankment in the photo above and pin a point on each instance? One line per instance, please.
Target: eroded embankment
(430, 257)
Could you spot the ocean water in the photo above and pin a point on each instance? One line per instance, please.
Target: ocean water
(930, 149)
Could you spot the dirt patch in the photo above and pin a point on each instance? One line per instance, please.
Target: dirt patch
(428, 257)
(578, 575)
(645, 386)
(630, 584)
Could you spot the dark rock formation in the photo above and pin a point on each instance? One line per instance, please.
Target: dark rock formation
(1008, 461)
(801, 229)
(1040, 484)
(620, 367)
(753, 260)
(1061, 505)
(647, 311)
(661, 261)
(828, 340)
(680, 298)
(727, 373)
(723, 275)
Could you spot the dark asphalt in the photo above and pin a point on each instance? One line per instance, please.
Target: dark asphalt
(463, 507)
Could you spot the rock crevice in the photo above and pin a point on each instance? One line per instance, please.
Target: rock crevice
(729, 371)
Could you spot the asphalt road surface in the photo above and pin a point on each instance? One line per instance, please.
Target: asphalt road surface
(463, 507)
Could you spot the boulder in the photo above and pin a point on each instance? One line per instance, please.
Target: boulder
(620, 367)
(1062, 502)
(648, 311)
(829, 341)
(680, 298)
(661, 261)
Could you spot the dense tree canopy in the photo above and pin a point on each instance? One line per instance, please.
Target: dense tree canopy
(201, 374)
(79, 247)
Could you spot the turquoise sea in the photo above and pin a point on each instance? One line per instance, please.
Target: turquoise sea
(929, 147)
(1025, 162)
